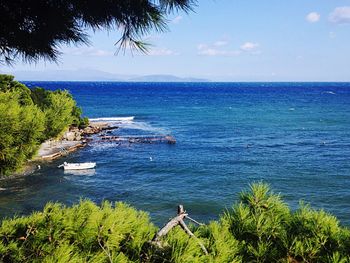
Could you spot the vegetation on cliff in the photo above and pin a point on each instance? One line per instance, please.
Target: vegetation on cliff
(259, 228)
(28, 117)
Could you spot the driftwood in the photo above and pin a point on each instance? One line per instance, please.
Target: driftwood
(178, 220)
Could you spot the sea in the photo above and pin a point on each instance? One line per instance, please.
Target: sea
(293, 136)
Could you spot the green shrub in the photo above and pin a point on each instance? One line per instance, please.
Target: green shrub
(58, 116)
(260, 223)
(84, 232)
(315, 235)
(28, 117)
(83, 123)
(260, 228)
(222, 245)
(60, 108)
(7, 84)
(21, 129)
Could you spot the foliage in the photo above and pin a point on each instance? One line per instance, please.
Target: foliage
(260, 228)
(259, 221)
(35, 29)
(316, 236)
(223, 246)
(29, 116)
(81, 233)
(59, 113)
(40, 97)
(21, 128)
(64, 105)
(7, 84)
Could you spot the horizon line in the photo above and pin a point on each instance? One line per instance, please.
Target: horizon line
(208, 81)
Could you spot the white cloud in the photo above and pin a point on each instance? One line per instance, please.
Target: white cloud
(161, 52)
(217, 49)
(177, 20)
(86, 51)
(313, 17)
(217, 52)
(340, 15)
(214, 50)
(249, 46)
(220, 43)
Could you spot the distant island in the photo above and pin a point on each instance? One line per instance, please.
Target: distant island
(166, 78)
(97, 75)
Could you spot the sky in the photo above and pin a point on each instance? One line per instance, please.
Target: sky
(229, 40)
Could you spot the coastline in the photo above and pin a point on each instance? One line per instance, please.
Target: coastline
(71, 141)
(74, 139)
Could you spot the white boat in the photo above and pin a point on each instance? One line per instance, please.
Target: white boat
(77, 166)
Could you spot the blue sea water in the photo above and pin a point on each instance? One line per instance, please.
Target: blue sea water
(294, 136)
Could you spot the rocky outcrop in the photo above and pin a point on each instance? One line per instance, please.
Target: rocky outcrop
(72, 135)
(75, 134)
(73, 139)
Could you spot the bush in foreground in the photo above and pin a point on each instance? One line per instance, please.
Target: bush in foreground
(259, 228)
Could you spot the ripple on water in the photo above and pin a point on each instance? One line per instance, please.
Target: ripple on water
(228, 135)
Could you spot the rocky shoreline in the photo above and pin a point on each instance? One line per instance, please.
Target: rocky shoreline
(75, 138)
(72, 140)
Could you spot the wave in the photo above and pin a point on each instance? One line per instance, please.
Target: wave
(100, 147)
(329, 92)
(128, 123)
(143, 126)
(113, 119)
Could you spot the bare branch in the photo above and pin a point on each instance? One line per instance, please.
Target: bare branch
(178, 220)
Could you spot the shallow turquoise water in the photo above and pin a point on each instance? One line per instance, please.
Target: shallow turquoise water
(295, 136)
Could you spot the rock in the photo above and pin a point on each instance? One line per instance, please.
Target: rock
(91, 130)
(69, 136)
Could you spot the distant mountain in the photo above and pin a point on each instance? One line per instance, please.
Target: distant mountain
(69, 75)
(94, 75)
(166, 78)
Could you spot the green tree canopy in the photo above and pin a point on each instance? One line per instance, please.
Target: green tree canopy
(21, 128)
(30, 116)
(59, 114)
(8, 84)
(35, 29)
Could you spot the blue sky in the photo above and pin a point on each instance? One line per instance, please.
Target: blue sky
(226, 40)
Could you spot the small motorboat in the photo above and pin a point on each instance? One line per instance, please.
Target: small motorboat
(77, 166)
